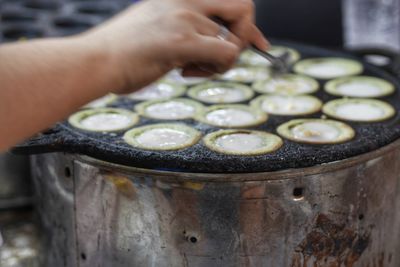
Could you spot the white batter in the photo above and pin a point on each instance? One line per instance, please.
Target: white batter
(154, 92)
(171, 110)
(230, 117)
(360, 112)
(326, 70)
(221, 95)
(288, 105)
(163, 138)
(240, 142)
(359, 89)
(106, 122)
(315, 132)
(246, 74)
(284, 86)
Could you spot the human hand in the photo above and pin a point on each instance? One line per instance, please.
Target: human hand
(151, 38)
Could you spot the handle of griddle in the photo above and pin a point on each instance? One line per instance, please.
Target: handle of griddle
(393, 58)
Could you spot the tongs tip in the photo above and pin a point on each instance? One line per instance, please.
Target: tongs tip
(280, 64)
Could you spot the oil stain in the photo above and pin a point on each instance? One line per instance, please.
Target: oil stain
(124, 186)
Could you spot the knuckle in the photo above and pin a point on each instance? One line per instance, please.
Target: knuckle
(230, 55)
(185, 15)
(181, 37)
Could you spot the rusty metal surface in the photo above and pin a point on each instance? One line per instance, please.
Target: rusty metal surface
(342, 214)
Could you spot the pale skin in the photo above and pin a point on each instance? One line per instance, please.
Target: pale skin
(44, 81)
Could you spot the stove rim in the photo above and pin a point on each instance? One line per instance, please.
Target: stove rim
(288, 174)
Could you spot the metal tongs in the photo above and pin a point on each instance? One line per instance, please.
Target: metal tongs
(280, 64)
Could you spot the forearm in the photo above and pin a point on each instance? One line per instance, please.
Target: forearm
(41, 82)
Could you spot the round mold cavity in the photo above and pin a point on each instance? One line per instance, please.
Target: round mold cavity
(232, 116)
(94, 8)
(245, 74)
(326, 68)
(172, 109)
(316, 131)
(42, 5)
(283, 105)
(378, 60)
(287, 84)
(13, 16)
(360, 87)
(221, 93)
(359, 110)
(103, 120)
(22, 32)
(158, 91)
(242, 142)
(162, 137)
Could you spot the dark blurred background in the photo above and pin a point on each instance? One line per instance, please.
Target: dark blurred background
(311, 21)
(333, 23)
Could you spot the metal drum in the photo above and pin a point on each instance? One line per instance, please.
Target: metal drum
(337, 214)
(15, 190)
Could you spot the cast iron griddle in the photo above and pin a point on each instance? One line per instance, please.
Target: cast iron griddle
(199, 159)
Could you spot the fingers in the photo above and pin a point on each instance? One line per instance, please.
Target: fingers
(257, 38)
(228, 10)
(239, 14)
(206, 26)
(195, 70)
(219, 55)
(250, 35)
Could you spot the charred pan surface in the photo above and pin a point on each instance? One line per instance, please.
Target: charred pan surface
(330, 244)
